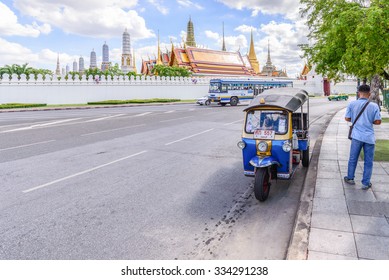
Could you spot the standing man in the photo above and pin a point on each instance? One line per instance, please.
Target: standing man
(362, 135)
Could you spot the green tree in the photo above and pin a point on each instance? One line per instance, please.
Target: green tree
(71, 75)
(16, 69)
(93, 72)
(23, 69)
(349, 37)
(133, 73)
(115, 70)
(43, 72)
(170, 71)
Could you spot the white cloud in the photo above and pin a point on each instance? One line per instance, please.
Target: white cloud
(13, 53)
(255, 12)
(212, 35)
(9, 25)
(182, 35)
(158, 4)
(245, 28)
(88, 17)
(189, 4)
(284, 39)
(289, 8)
(233, 43)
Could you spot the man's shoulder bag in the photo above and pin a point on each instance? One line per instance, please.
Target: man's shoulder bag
(352, 126)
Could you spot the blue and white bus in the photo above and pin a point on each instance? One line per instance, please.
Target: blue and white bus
(233, 91)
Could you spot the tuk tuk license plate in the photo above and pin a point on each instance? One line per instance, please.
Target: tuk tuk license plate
(264, 134)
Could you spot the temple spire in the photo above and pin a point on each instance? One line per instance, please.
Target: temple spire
(158, 59)
(172, 51)
(224, 43)
(252, 56)
(58, 69)
(268, 62)
(190, 38)
(134, 61)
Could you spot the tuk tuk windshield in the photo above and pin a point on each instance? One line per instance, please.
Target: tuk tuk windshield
(267, 120)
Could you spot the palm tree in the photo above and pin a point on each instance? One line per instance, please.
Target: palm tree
(17, 69)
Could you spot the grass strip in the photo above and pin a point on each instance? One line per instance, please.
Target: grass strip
(381, 152)
(136, 101)
(20, 105)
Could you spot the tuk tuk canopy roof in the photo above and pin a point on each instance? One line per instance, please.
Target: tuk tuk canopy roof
(290, 99)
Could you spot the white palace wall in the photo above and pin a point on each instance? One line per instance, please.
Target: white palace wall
(56, 90)
(81, 91)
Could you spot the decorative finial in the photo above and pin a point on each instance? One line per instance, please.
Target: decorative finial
(224, 43)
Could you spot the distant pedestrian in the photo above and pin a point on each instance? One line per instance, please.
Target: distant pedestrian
(362, 135)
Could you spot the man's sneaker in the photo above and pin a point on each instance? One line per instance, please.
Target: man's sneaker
(349, 181)
(366, 187)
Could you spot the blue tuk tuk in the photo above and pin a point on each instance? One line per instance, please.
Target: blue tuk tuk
(275, 137)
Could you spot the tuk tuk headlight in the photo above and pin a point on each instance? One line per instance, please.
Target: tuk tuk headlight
(287, 146)
(262, 146)
(241, 145)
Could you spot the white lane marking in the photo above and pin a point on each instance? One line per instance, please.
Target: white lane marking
(82, 172)
(167, 144)
(169, 112)
(232, 122)
(171, 120)
(16, 124)
(104, 118)
(104, 131)
(40, 125)
(27, 145)
(143, 114)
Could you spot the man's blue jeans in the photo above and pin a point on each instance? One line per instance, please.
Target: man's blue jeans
(368, 151)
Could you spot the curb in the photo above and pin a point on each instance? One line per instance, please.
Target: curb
(89, 107)
(298, 244)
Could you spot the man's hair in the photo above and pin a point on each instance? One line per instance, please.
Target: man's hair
(364, 88)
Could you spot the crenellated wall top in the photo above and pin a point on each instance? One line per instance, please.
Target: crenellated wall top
(109, 80)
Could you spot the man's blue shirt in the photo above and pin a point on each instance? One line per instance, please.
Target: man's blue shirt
(363, 129)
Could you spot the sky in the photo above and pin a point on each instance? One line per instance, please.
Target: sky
(36, 31)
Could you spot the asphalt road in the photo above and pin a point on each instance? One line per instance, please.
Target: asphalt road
(148, 182)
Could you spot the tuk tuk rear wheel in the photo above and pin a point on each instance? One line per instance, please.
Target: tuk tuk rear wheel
(262, 184)
(305, 160)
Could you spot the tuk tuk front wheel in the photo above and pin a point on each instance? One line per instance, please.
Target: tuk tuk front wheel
(262, 184)
(305, 160)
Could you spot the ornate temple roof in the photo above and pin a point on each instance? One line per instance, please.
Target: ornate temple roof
(202, 61)
(212, 62)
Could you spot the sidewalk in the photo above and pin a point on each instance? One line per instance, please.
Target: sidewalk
(348, 223)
